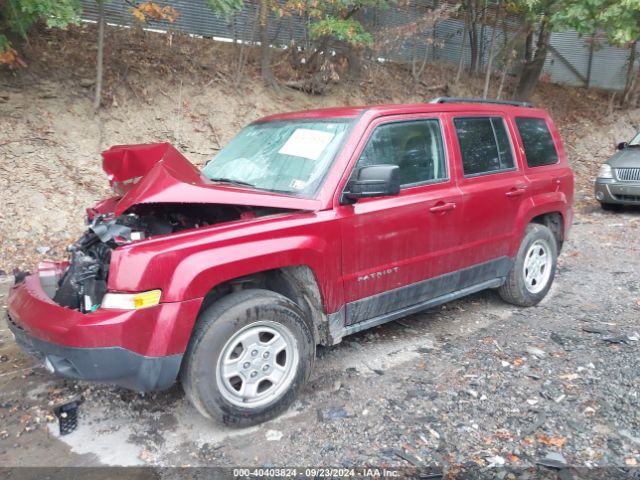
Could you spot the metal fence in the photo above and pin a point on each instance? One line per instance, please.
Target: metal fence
(587, 61)
(572, 59)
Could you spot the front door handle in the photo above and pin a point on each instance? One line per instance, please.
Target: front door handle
(442, 207)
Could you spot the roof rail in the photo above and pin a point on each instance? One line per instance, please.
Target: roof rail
(480, 100)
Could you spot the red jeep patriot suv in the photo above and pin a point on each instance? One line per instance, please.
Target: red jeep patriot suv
(305, 228)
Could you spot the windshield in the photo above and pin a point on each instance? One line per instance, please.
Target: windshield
(289, 157)
(635, 141)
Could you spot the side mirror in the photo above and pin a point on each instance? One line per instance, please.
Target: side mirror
(622, 145)
(374, 181)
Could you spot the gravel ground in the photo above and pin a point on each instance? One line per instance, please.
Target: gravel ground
(475, 387)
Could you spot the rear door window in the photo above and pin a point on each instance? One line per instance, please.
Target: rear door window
(537, 142)
(484, 145)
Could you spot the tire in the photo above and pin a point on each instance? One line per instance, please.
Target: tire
(611, 207)
(250, 329)
(526, 291)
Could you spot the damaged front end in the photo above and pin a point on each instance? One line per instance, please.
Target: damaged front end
(83, 284)
(151, 184)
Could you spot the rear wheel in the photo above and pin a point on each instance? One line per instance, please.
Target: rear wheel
(534, 268)
(250, 354)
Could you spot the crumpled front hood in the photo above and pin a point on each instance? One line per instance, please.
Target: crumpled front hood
(627, 158)
(158, 173)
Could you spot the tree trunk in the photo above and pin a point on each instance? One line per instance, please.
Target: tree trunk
(487, 77)
(354, 57)
(473, 44)
(506, 62)
(631, 75)
(483, 27)
(528, 46)
(265, 50)
(502, 79)
(414, 50)
(243, 54)
(418, 65)
(461, 60)
(532, 69)
(99, 61)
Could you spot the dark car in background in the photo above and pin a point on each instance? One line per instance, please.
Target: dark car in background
(618, 181)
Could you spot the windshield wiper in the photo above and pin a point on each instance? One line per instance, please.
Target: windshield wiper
(232, 182)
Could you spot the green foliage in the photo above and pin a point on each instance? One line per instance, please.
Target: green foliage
(532, 10)
(17, 17)
(335, 18)
(225, 7)
(619, 19)
(348, 30)
(348, 5)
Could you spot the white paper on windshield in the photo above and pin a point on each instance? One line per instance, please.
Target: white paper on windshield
(307, 143)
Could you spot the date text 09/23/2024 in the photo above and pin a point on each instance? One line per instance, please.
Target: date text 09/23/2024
(317, 472)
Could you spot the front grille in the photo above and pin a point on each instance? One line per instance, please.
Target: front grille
(628, 198)
(628, 174)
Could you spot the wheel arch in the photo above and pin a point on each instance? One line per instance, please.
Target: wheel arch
(554, 221)
(298, 283)
(549, 211)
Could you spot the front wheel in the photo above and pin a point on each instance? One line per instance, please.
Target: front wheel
(534, 268)
(250, 354)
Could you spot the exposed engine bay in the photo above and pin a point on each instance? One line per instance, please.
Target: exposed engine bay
(84, 283)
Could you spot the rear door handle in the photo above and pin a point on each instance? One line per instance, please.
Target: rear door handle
(516, 191)
(441, 207)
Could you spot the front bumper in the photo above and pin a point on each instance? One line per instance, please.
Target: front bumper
(608, 190)
(113, 365)
(137, 349)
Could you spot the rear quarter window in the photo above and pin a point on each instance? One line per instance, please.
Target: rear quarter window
(537, 142)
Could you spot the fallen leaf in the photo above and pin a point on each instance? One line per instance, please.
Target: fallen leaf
(551, 441)
(630, 461)
(503, 435)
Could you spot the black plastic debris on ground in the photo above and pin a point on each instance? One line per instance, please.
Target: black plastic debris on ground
(617, 339)
(553, 460)
(594, 329)
(67, 416)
